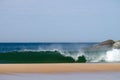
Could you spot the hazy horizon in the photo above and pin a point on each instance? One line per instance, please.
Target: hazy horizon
(59, 20)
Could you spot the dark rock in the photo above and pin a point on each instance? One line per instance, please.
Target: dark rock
(107, 42)
(116, 45)
(105, 45)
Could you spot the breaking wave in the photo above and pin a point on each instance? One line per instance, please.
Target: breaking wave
(60, 56)
(113, 55)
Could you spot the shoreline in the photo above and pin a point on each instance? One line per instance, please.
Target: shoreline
(59, 67)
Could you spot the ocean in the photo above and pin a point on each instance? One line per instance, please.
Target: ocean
(55, 53)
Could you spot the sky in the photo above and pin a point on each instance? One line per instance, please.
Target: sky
(59, 20)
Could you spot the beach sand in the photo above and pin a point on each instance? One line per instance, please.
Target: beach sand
(59, 68)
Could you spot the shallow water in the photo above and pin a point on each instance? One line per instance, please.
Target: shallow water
(62, 76)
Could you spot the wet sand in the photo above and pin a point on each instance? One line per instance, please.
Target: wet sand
(62, 76)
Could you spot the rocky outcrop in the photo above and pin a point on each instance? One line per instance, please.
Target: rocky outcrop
(116, 45)
(105, 45)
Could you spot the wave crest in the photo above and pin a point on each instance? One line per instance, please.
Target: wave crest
(73, 54)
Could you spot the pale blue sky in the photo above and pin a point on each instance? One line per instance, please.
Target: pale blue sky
(59, 20)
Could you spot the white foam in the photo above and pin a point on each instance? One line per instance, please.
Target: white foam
(113, 55)
(98, 59)
(75, 56)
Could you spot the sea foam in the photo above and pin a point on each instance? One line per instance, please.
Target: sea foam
(113, 55)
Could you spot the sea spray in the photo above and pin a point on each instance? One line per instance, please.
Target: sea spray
(113, 55)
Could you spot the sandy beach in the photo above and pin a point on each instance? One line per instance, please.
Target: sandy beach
(59, 68)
